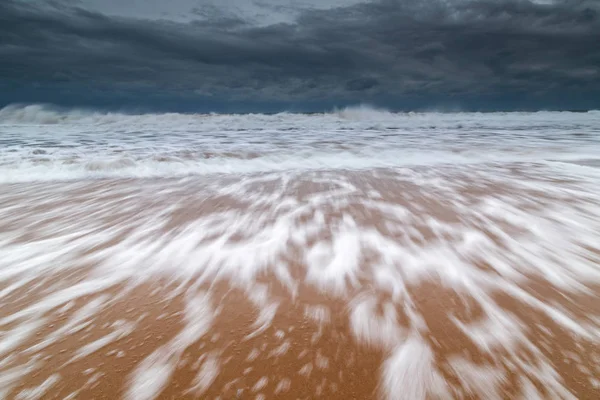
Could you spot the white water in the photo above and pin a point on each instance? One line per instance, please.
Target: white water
(369, 205)
(38, 143)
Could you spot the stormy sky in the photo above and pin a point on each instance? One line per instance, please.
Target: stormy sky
(309, 55)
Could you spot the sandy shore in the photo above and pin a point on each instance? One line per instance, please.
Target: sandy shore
(348, 289)
(216, 341)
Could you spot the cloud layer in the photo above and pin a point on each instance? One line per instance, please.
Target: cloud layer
(399, 52)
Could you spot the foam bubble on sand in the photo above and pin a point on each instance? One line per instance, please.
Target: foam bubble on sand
(498, 330)
(482, 381)
(260, 384)
(121, 330)
(208, 372)
(283, 386)
(11, 339)
(38, 392)
(374, 328)
(153, 373)
(80, 319)
(334, 266)
(11, 376)
(411, 367)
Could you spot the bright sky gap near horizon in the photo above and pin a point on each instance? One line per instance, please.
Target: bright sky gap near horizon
(280, 55)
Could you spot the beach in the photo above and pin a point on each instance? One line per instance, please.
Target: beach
(353, 255)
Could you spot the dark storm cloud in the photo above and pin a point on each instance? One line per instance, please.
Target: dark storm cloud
(368, 50)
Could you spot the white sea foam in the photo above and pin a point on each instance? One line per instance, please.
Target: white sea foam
(41, 143)
(364, 206)
(208, 372)
(411, 368)
(38, 392)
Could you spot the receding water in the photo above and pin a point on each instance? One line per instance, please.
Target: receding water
(356, 254)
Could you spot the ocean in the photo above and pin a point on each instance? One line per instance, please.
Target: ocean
(353, 254)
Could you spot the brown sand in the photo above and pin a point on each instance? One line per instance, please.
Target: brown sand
(309, 347)
(298, 356)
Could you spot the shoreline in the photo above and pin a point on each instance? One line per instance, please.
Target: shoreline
(433, 284)
(157, 341)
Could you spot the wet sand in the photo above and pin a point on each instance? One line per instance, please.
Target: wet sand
(171, 291)
(311, 346)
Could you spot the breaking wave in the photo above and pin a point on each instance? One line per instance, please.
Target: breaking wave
(48, 114)
(43, 114)
(362, 112)
(45, 143)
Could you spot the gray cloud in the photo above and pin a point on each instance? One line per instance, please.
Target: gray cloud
(348, 51)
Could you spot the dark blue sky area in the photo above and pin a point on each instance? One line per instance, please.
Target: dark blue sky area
(269, 56)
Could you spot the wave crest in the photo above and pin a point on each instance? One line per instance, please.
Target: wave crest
(362, 112)
(45, 114)
(48, 114)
